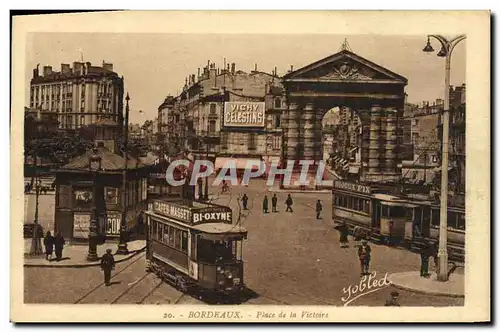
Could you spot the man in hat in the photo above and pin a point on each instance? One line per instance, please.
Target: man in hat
(393, 301)
(364, 254)
(319, 208)
(107, 264)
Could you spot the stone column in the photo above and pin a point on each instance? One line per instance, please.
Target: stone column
(365, 137)
(292, 132)
(307, 130)
(318, 134)
(374, 146)
(391, 141)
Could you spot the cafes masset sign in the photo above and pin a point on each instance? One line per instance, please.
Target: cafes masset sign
(343, 185)
(193, 215)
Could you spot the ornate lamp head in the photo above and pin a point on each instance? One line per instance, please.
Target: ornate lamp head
(428, 48)
(442, 52)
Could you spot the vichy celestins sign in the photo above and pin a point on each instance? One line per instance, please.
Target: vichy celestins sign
(244, 114)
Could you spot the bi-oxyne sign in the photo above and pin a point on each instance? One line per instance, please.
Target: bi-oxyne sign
(244, 114)
(193, 215)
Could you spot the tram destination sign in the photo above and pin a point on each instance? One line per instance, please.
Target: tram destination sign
(172, 210)
(193, 215)
(213, 214)
(352, 187)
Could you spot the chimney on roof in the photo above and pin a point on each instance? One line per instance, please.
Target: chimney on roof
(107, 66)
(77, 67)
(255, 67)
(65, 68)
(47, 70)
(233, 68)
(36, 71)
(275, 71)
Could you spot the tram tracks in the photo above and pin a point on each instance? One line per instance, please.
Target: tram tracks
(79, 300)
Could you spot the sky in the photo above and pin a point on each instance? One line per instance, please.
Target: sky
(156, 65)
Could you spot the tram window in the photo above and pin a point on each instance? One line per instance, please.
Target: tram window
(367, 206)
(154, 231)
(239, 248)
(223, 250)
(184, 242)
(165, 234)
(435, 217)
(385, 211)
(178, 238)
(461, 221)
(160, 231)
(398, 212)
(452, 219)
(171, 238)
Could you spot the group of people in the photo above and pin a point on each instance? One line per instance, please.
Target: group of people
(274, 204)
(50, 242)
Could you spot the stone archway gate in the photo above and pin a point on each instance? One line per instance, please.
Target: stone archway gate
(346, 79)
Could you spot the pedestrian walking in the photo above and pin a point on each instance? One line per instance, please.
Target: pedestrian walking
(48, 242)
(274, 202)
(265, 204)
(344, 232)
(59, 245)
(425, 254)
(364, 254)
(319, 208)
(244, 201)
(393, 301)
(289, 203)
(107, 265)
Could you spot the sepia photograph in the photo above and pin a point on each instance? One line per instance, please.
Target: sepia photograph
(251, 176)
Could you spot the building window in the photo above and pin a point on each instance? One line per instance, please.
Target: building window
(82, 105)
(252, 141)
(82, 120)
(211, 127)
(276, 142)
(213, 109)
(277, 121)
(277, 103)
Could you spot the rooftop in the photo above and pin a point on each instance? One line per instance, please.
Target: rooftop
(109, 161)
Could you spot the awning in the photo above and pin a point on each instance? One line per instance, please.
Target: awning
(239, 163)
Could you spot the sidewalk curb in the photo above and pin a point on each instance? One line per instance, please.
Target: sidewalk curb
(97, 263)
(435, 293)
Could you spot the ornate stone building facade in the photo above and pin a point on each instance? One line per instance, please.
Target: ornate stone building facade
(79, 95)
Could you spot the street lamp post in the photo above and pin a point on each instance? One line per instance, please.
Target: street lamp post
(94, 166)
(122, 246)
(447, 47)
(36, 243)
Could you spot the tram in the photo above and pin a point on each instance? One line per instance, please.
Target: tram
(192, 244)
(387, 218)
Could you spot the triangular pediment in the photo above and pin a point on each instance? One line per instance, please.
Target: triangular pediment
(345, 66)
